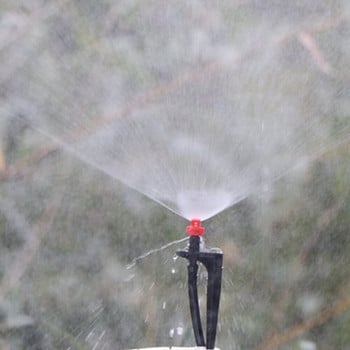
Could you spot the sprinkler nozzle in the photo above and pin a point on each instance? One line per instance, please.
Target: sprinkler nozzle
(195, 229)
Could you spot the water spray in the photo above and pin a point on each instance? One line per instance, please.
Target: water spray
(211, 258)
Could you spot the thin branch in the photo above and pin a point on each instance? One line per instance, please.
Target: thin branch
(2, 160)
(295, 331)
(28, 167)
(311, 46)
(278, 312)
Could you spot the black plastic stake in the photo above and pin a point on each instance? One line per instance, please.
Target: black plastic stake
(212, 260)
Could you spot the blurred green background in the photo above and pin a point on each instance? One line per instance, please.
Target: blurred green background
(68, 233)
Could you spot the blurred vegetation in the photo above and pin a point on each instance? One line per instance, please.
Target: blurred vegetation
(68, 232)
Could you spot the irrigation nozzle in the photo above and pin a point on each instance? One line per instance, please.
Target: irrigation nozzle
(211, 258)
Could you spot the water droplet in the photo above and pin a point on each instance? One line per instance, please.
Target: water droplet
(171, 333)
(179, 330)
(130, 266)
(129, 278)
(307, 345)
(173, 271)
(164, 305)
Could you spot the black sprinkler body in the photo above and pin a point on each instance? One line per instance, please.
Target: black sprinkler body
(212, 260)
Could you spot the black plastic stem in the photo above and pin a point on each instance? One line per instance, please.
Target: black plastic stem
(212, 260)
(213, 263)
(192, 268)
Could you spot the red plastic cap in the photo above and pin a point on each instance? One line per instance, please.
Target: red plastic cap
(195, 229)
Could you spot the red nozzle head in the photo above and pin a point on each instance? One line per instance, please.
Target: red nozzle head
(195, 229)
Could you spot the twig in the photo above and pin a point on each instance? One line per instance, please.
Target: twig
(310, 44)
(2, 160)
(324, 220)
(29, 167)
(295, 331)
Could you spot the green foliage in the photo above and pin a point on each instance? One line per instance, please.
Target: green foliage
(75, 232)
